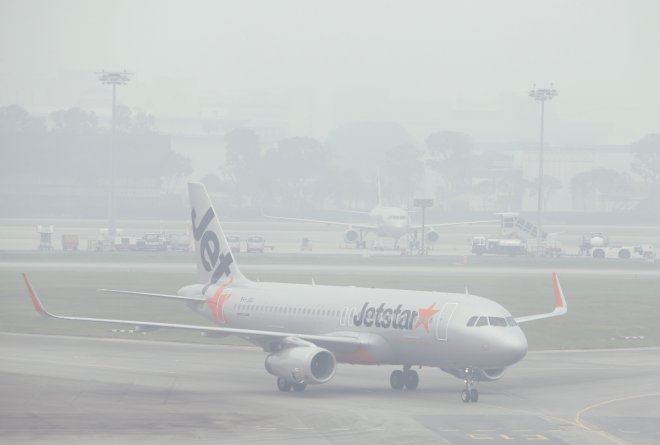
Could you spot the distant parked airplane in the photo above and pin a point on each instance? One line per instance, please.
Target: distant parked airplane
(307, 329)
(386, 222)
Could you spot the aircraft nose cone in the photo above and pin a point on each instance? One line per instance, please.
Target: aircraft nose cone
(515, 347)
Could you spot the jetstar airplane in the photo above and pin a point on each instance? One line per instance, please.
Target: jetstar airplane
(307, 329)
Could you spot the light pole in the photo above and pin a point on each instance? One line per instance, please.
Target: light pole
(423, 203)
(113, 78)
(541, 95)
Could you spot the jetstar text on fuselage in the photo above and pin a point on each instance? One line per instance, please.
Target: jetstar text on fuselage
(385, 318)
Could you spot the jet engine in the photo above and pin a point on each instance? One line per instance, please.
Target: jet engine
(351, 236)
(431, 237)
(302, 364)
(490, 375)
(480, 375)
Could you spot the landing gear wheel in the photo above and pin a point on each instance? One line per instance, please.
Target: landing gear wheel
(283, 385)
(411, 379)
(469, 394)
(397, 380)
(299, 387)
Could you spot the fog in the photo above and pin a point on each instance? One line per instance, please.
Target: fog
(427, 63)
(353, 156)
(359, 78)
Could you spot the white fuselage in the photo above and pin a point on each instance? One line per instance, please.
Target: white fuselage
(392, 222)
(399, 327)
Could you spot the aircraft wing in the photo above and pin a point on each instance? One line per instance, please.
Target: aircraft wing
(257, 336)
(560, 304)
(462, 223)
(366, 227)
(149, 294)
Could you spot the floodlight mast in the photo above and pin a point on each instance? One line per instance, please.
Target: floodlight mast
(541, 95)
(113, 78)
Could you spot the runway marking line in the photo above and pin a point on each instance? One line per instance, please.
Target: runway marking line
(579, 422)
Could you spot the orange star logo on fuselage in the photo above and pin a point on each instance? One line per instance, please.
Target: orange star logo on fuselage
(425, 316)
(217, 302)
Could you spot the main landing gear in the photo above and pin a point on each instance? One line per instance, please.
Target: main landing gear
(404, 378)
(286, 386)
(470, 393)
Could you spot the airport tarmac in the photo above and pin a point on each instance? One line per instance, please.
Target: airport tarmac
(81, 390)
(21, 234)
(562, 268)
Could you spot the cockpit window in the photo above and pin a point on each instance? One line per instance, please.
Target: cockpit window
(493, 321)
(497, 321)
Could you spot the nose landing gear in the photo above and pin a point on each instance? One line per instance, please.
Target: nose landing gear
(406, 378)
(470, 393)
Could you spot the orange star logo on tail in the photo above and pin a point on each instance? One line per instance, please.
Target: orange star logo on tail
(425, 317)
(217, 302)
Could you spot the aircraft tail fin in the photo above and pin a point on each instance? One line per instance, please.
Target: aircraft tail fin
(215, 262)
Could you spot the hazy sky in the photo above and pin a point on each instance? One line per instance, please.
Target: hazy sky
(433, 60)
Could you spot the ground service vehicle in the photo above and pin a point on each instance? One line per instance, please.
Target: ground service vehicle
(256, 243)
(597, 245)
(644, 251)
(234, 242)
(69, 241)
(306, 244)
(151, 242)
(505, 246)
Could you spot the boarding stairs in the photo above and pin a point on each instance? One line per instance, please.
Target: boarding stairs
(515, 226)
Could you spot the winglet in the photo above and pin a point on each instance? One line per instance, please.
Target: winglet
(561, 307)
(560, 300)
(33, 296)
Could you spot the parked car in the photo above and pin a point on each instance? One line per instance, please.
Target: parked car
(234, 242)
(256, 243)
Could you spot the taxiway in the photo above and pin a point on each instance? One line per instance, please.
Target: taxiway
(79, 390)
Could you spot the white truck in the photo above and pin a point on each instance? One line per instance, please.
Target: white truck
(255, 243)
(597, 245)
(234, 242)
(152, 242)
(514, 246)
(644, 252)
(498, 246)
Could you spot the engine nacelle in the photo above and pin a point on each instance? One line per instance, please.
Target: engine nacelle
(490, 375)
(302, 364)
(351, 236)
(480, 375)
(431, 237)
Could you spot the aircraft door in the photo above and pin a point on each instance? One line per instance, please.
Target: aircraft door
(442, 321)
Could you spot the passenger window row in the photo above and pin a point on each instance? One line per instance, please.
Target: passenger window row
(286, 310)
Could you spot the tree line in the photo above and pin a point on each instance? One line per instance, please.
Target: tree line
(69, 146)
(303, 172)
